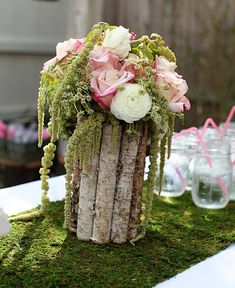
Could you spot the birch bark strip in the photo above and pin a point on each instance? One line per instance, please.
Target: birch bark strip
(106, 185)
(122, 202)
(138, 180)
(87, 194)
(75, 197)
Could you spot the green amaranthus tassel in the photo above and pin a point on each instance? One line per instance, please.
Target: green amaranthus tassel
(151, 181)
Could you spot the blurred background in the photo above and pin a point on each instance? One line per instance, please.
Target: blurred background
(201, 33)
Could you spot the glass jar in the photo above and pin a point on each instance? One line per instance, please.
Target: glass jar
(191, 141)
(211, 187)
(229, 136)
(193, 144)
(176, 170)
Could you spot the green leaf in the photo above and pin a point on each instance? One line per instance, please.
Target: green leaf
(146, 52)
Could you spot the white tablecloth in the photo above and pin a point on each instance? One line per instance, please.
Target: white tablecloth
(27, 196)
(215, 272)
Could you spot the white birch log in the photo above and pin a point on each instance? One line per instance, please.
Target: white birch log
(87, 195)
(123, 195)
(106, 185)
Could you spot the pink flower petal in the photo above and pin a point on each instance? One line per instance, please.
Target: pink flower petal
(62, 50)
(102, 59)
(181, 105)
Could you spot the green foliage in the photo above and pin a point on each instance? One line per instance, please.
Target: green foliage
(162, 160)
(42, 254)
(170, 134)
(149, 48)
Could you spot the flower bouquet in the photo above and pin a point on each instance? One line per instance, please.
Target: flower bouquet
(110, 95)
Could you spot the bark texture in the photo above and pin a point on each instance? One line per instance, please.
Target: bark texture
(124, 185)
(138, 180)
(109, 156)
(87, 197)
(75, 197)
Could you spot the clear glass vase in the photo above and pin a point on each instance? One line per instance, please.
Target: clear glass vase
(176, 170)
(212, 176)
(229, 136)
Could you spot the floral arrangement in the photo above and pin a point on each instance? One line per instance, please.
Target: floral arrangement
(109, 77)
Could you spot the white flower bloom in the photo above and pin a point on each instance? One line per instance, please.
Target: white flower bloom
(131, 104)
(118, 41)
(4, 223)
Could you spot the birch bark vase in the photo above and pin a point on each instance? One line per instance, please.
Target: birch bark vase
(106, 193)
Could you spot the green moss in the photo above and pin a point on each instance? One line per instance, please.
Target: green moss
(42, 254)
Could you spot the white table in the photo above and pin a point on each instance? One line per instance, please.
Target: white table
(27, 196)
(215, 272)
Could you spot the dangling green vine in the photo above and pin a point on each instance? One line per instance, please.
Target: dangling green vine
(83, 144)
(44, 171)
(171, 123)
(151, 181)
(162, 161)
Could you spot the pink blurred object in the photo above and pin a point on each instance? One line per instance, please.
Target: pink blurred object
(45, 134)
(3, 128)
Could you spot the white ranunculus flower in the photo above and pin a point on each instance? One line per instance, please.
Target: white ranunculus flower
(118, 41)
(131, 103)
(4, 223)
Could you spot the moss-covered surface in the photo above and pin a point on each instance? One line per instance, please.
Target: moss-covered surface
(42, 254)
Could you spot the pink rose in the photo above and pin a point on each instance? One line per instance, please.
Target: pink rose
(106, 75)
(105, 84)
(180, 105)
(171, 85)
(131, 65)
(103, 59)
(63, 49)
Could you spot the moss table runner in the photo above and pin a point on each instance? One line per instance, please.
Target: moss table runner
(42, 254)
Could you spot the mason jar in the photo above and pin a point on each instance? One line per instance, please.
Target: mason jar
(175, 175)
(191, 141)
(229, 135)
(211, 187)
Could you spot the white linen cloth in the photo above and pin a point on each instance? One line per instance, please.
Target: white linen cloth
(27, 196)
(217, 271)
